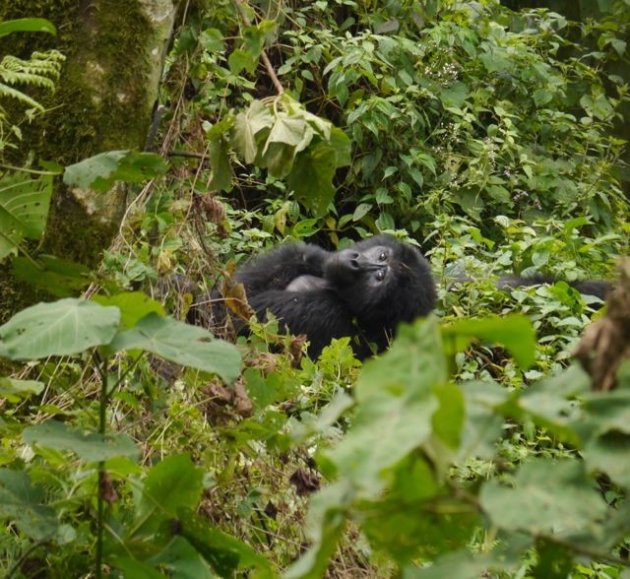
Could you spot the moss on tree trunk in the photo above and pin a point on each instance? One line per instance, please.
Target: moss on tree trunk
(104, 101)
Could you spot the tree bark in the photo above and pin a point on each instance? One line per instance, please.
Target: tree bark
(105, 98)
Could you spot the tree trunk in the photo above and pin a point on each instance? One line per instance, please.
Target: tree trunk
(104, 101)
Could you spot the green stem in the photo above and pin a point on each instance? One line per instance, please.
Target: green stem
(101, 364)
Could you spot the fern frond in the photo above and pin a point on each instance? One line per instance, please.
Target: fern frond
(13, 77)
(10, 92)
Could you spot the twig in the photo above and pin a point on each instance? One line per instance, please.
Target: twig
(263, 55)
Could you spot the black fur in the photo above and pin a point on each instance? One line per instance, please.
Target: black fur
(363, 292)
(327, 295)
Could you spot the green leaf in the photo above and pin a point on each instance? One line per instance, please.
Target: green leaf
(172, 484)
(134, 568)
(23, 502)
(396, 403)
(515, 332)
(58, 277)
(247, 125)
(183, 344)
(242, 60)
(27, 25)
(133, 306)
(361, 211)
(182, 561)
(212, 40)
(549, 498)
(293, 131)
(455, 95)
(61, 328)
(101, 171)
(459, 564)
(14, 390)
(89, 446)
(24, 203)
(222, 172)
(224, 552)
(325, 526)
(311, 177)
(449, 418)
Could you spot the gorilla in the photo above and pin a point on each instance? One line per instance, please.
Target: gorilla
(363, 292)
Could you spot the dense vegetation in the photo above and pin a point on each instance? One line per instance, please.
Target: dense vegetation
(135, 445)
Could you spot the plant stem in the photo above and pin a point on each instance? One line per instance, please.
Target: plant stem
(101, 364)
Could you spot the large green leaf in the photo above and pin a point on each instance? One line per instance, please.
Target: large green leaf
(133, 306)
(60, 328)
(552, 498)
(101, 171)
(183, 344)
(89, 446)
(515, 332)
(396, 405)
(23, 502)
(58, 277)
(24, 202)
(224, 552)
(172, 484)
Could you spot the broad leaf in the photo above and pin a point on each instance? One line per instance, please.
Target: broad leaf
(133, 306)
(224, 552)
(23, 502)
(515, 332)
(172, 484)
(14, 390)
(61, 328)
(56, 276)
(183, 344)
(101, 171)
(553, 498)
(24, 202)
(89, 446)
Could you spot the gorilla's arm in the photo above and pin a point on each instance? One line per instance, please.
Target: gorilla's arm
(276, 269)
(317, 313)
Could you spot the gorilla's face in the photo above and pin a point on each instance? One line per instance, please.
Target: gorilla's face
(349, 268)
(382, 281)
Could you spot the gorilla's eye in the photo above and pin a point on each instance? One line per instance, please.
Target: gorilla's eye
(382, 256)
(380, 275)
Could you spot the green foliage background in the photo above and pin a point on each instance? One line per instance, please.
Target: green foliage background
(473, 447)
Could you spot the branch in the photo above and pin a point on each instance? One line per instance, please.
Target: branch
(270, 70)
